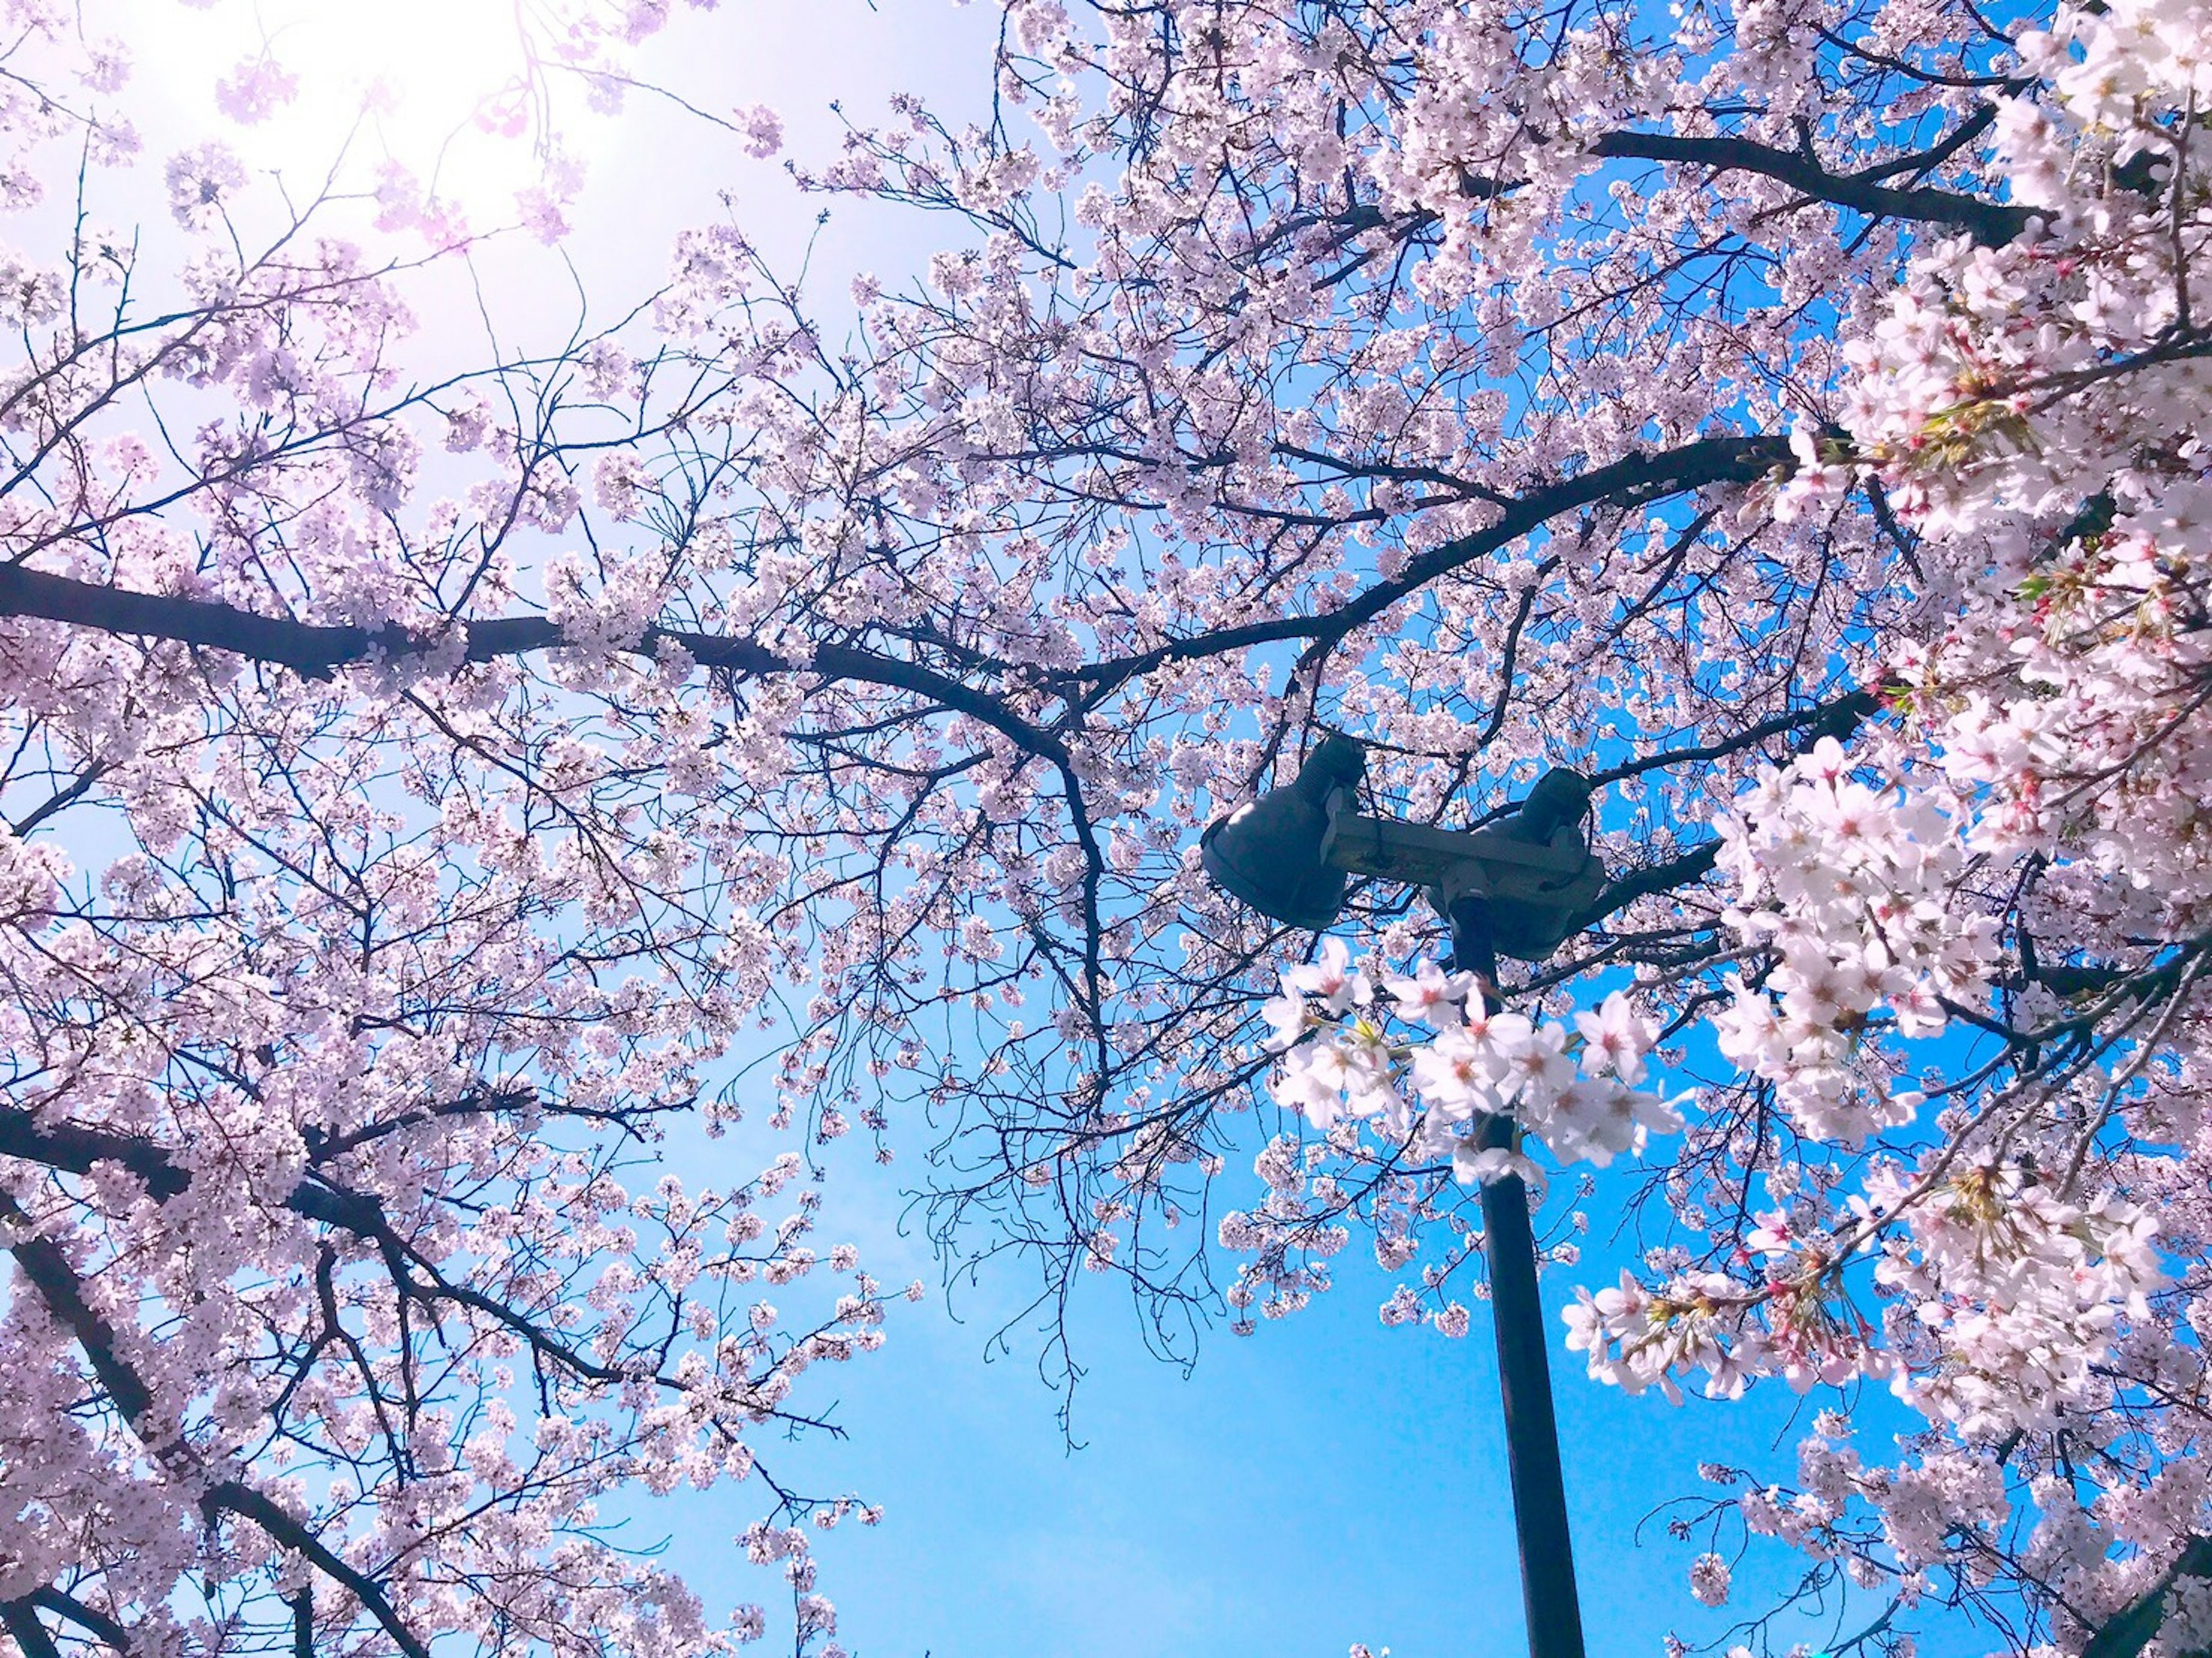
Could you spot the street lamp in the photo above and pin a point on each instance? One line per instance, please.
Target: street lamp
(1517, 886)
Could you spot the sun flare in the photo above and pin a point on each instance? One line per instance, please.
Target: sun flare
(449, 99)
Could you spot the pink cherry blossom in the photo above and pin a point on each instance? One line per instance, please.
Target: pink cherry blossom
(427, 780)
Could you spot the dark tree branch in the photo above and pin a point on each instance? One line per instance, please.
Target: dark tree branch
(48, 1271)
(1992, 223)
(107, 1631)
(2129, 1630)
(1642, 883)
(23, 1626)
(74, 1150)
(1634, 478)
(322, 1200)
(1837, 720)
(316, 650)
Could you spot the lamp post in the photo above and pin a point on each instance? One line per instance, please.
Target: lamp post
(1514, 887)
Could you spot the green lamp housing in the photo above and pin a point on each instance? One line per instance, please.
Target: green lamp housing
(1290, 853)
(1267, 853)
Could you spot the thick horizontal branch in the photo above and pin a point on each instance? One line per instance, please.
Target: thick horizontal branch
(107, 1630)
(317, 650)
(1839, 719)
(304, 647)
(1989, 222)
(2130, 1630)
(75, 1149)
(1633, 478)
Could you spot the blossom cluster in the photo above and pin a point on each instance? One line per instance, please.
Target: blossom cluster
(1570, 1088)
(1409, 1084)
(1849, 894)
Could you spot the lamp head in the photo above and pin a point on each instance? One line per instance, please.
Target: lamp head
(1533, 915)
(1267, 853)
(1561, 799)
(1290, 855)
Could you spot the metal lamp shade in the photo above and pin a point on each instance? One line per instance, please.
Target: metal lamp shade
(1268, 852)
(1533, 917)
(1291, 854)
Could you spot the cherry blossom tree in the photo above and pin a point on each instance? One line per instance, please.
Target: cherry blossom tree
(1788, 414)
(425, 778)
(353, 967)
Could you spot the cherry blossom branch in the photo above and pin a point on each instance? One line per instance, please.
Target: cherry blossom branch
(2130, 1630)
(49, 1272)
(316, 650)
(1990, 222)
(1634, 479)
(262, 1510)
(97, 1623)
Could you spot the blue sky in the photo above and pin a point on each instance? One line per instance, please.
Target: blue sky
(1325, 1481)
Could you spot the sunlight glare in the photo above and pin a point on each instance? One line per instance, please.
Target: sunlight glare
(453, 91)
